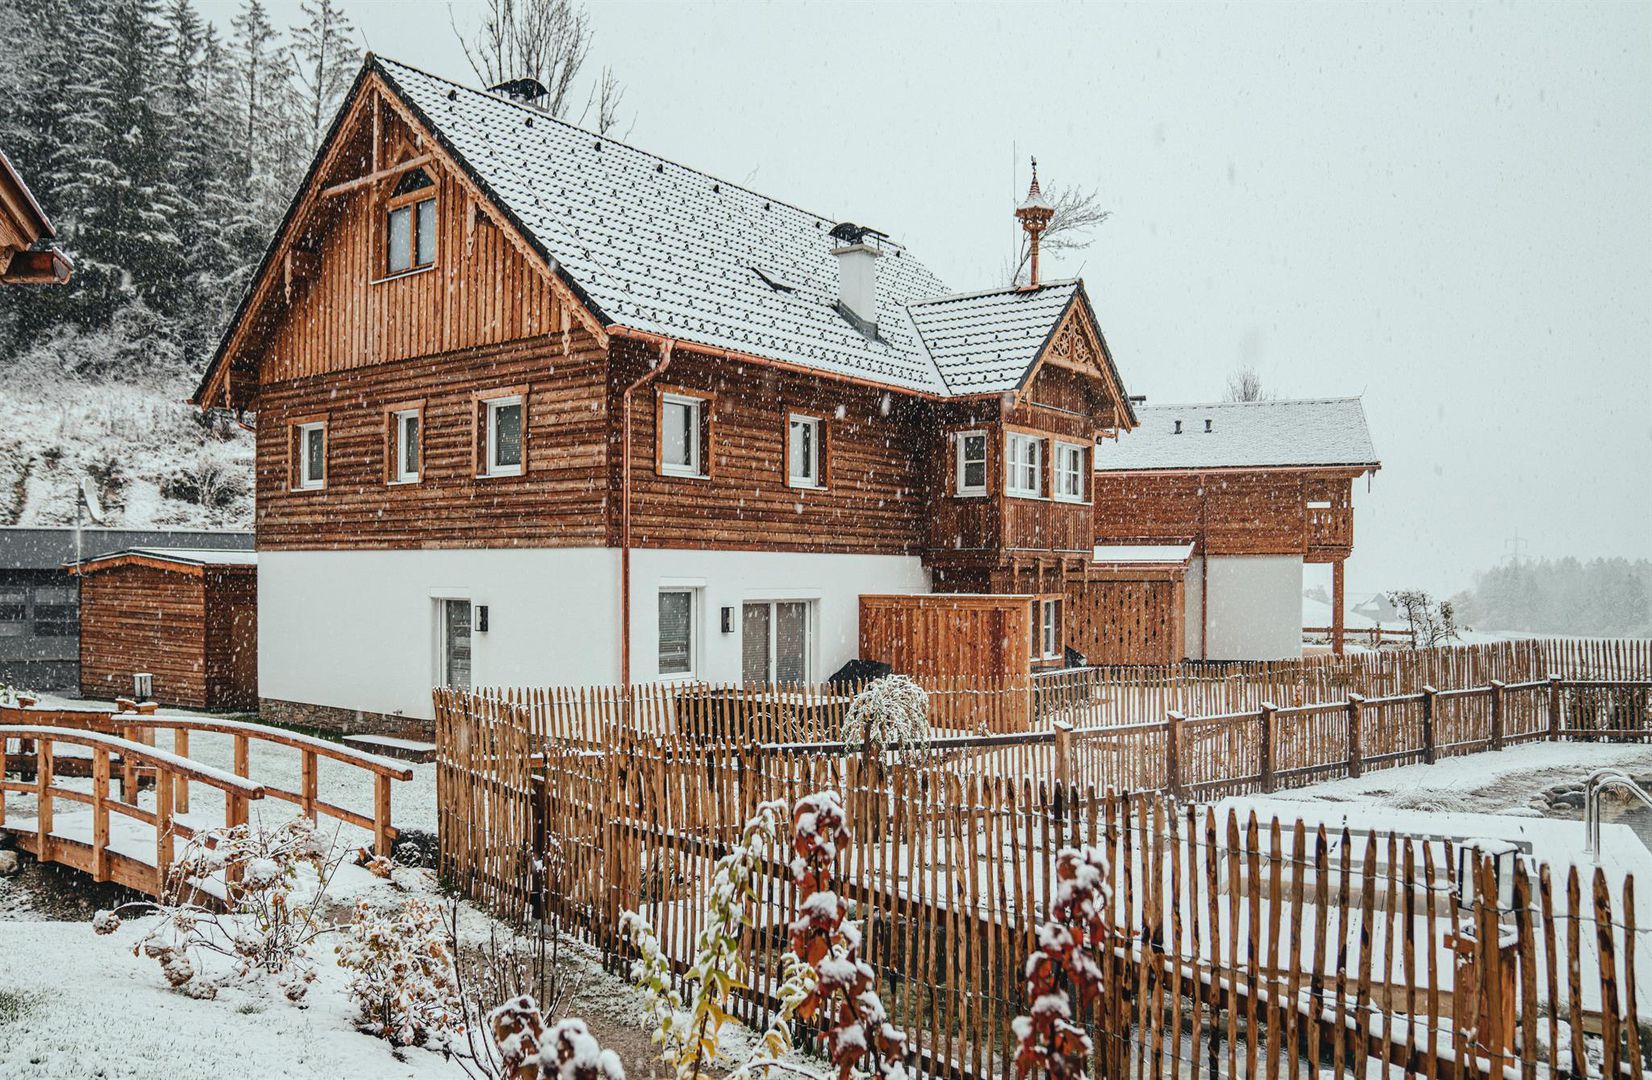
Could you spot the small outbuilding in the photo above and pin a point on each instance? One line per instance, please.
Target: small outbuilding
(188, 617)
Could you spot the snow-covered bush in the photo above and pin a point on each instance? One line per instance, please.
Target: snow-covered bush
(823, 973)
(402, 974)
(891, 713)
(1048, 1042)
(268, 925)
(565, 1051)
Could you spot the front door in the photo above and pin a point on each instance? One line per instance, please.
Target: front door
(456, 644)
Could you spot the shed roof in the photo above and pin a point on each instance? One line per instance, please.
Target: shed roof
(189, 560)
(1175, 554)
(1324, 432)
(28, 547)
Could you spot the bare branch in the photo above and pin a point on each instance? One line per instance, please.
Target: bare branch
(546, 40)
(1246, 385)
(1077, 212)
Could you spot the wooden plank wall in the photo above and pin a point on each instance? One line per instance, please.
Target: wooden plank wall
(1124, 619)
(231, 639)
(1246, 513)
(141, 618)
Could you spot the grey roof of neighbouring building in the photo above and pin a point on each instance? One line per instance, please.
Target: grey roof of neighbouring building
(666, 249)
(24, 547)
(1249, 434)
(181, 556)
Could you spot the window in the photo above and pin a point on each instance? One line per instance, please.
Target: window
(454, 638)
(14, 612)
(682, 430)
(1024, 467)
(1069, 472)
(676, 632)
(412, 226)
(310, 455)
(56, 610)
(1047, 629)
(774, 642)
(404, 446)
(504, 449)
(803, 452)
(972, 463)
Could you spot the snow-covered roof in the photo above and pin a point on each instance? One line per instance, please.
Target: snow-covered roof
(1143, 553)
(985, 342)
(1244, 434)
(187, 557)
(666, 249)
(28, 547)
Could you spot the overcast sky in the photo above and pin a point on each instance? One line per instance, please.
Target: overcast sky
(1444, 209)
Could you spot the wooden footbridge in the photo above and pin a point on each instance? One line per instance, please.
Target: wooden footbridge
(98, 762)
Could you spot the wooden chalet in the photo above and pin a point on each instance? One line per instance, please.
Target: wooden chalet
(187, 617)
(535, 406)
(25, 259)
(1230, 500)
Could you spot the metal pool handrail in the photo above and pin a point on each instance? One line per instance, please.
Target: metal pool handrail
(1598, 783)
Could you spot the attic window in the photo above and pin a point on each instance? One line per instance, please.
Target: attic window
(410, 234)
(774, 280)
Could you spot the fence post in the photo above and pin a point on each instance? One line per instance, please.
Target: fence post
(1429, 696)
(1063, 753)
(1264, 735)
(1173, 752)
(1356, 703)
(1556, 720)
(1496, 715)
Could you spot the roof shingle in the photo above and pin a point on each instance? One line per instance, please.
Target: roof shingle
(1244, 434)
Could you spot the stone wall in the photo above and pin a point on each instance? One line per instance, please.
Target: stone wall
(345, 721)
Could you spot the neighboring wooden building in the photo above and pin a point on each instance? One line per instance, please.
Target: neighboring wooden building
(188, 617)
(23, 228)
(1247, 492)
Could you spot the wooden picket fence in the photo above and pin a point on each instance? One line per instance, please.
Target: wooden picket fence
(1243, 947)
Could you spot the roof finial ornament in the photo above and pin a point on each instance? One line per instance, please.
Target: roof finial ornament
(1034, 214)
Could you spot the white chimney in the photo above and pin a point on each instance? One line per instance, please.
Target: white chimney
(857, 282)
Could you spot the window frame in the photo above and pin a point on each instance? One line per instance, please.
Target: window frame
(298, 474)
(811, 634)
(443, 657)
(484, 404)
(703, 405)
(793, 479)
(411, 202)
(1061, 448)
(395, 473)
(961, 489)
(1012, 487)
(694, 635)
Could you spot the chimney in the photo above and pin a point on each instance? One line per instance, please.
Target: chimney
(1034, 214)
(857, 276)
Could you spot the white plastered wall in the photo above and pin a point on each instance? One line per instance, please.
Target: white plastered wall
(1255, 606)
(358, 629)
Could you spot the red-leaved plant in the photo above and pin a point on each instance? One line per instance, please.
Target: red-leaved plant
(1048, 1042)
(823, 938)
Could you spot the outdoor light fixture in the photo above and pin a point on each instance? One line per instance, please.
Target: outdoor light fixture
(481, 618)
(1505, 864)
(726, 617)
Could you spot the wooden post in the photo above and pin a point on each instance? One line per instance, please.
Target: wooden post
(1429, 695)
(180, 746)
(1557, 722)
(163, 828)
(307, 784)
(381, 815)
(1496, 715)
(128, 769)
(1338, 631)
(1264, 736)
(243, 765)
(1063, 753)
(100, 814)
(1173, 753)
(43, 798)
(1356, 704)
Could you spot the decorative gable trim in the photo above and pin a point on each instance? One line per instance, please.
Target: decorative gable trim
(1076, 344)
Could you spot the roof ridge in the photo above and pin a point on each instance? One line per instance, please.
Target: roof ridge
(999, 290)
(1250, 404)
(542, 114)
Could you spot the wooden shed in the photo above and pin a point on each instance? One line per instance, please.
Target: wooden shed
(187, 617)
(947, 639)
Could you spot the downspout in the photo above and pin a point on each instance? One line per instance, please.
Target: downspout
(667, 347)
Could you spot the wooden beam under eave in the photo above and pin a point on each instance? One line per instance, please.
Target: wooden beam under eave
(380, 174)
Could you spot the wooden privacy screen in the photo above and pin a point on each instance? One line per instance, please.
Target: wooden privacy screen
(1127, 617)
(949, 636)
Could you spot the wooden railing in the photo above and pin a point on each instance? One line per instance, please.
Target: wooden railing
(1375, 636)
(94, 855)
(1330, 528)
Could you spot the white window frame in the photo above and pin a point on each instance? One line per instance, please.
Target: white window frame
(961, 488)
(302, 433)
(1062, 451)
(398, 447)
(1049, 629)
(440, 599)
(693, 592)
(814, 478)
(492, 467)
(811, 630)
(696, 413)
(1013, 465)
